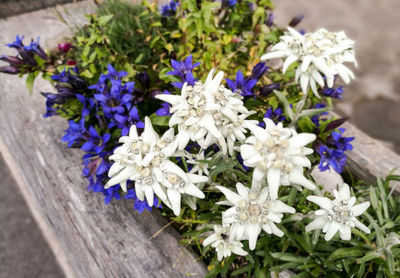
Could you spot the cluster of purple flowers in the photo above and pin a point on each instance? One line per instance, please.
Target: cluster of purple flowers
(275, 115)
(28, 57)
(183, 70)
(114, 99)
(169, 9)
(244, 86)
(68, 85)
(333, 152)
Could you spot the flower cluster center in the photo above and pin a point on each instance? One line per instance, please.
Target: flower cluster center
(274, 151)
(340, 213)
(249, 211)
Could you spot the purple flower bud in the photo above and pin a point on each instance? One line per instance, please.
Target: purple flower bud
(268, 89)
(296, 20)
(64, 47)
(270, 20)
(144, 79)
(9, 69)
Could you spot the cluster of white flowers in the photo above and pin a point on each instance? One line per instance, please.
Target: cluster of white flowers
(279, 154)
(319, 52)
(338, 215)
(145, 160)
(208, 113)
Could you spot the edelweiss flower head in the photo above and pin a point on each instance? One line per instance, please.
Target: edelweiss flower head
(203, 110)
(199, 164)
(338, 214)
(145, 160)
(223, 244)
(252, 211)
(319, 52)
(278, 153)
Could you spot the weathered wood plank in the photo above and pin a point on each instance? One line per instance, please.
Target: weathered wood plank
(370, 158)
(96, 240)
(99, 240)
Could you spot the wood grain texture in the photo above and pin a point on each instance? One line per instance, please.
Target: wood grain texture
(370, 158)
(98, 240)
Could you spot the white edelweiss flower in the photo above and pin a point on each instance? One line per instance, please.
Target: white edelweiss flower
(145, 160)
(223, 244)
(199, 165)
(319, 52)
(202, 111)
(279, 154)
(177, 182)
(252, 211)
(338, 214)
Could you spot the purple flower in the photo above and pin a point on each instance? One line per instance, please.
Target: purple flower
(181, 68)
(315, 119)
(275, 115)
(25, 61)
(75, 133)
(330, 158)
(125, 121)
(241, 85)
(339, 141)
(333, 92)
(95, 143)
(258, 71)
(169, 9)
(139, 205)
(164, 110)
(229, 3)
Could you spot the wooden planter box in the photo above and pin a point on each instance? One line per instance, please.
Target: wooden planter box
(89, 238)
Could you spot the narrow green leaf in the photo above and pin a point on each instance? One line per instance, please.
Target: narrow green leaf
(347, 252)
(288, 257)
(389, 260)
(370, 255)
(29, 81)
(313, 112)
(286, 105)
(105, 18)
(159, 120)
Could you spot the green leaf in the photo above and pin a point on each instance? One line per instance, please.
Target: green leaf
(159, 120)
(370, 255)
(29, 81)
(286, 104)
(389, 260)
(313, 112)
(346, 253)
(241, 270)
(104, 19)
(288, 257)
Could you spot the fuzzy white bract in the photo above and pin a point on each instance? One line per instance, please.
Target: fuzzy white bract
(203, 113)
(145, 160)
(279, 154)
(252, 211)
(338, 215)
(319, 52)
(223, 244)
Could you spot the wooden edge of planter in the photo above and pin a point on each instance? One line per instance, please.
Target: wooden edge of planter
(99, 240)
(89, 238)
(370, 158)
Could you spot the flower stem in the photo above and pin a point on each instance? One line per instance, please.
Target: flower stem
(300, 106)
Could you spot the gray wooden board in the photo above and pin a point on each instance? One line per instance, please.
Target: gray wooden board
(99, 240)
(370, 158)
